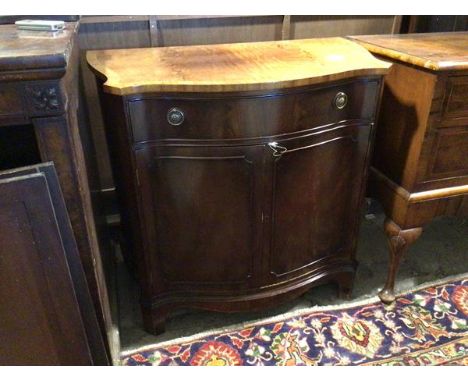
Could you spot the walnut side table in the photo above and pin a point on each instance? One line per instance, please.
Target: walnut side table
(420, 165)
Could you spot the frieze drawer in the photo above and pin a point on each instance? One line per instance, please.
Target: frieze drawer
(239, 117)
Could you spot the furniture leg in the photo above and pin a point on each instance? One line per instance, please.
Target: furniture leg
(154, 320)
(398, 241)
(345, 283)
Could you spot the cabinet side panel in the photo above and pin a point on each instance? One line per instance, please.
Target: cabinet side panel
(405, 106)
(124, 173)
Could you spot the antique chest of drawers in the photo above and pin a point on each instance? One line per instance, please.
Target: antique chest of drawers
(420, 167)
(240, 168)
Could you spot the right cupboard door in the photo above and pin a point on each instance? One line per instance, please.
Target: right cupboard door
(315, 195)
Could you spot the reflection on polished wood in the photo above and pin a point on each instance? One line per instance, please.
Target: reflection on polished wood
(232, 67)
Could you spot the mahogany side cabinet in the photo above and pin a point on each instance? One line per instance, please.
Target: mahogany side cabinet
(420, 167)
(240, 168)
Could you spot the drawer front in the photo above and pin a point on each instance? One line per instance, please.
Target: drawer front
(457, 97)
(448, 148)
(455, 109)
(226, 117)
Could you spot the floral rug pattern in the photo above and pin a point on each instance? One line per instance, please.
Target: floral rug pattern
(424, 327)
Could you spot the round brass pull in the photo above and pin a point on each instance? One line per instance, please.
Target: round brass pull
(175, 116)
(341, 99)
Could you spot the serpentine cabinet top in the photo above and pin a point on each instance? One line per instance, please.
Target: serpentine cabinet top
(232, 67)
(434, 51)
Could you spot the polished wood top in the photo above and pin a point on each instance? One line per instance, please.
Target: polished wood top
(33, 50)
(232, 67)
(435, 51)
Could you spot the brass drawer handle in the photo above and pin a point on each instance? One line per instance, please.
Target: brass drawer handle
(340, 101)
(175, 116)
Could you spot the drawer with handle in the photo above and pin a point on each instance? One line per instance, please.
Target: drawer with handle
(236, 117)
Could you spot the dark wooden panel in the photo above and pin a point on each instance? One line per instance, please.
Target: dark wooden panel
(329, 26)
(131, 34)
(184, 193)
(11, 19)
(450, 154)
(11, 103)
(124, 172)
(250, 117)
(457, 94)
(108, 35)
(433, 23)
(220, 30)
(404, 112)
(96, 126)
(54, 137)
(41, 314)
(59, 141)
(316, 198)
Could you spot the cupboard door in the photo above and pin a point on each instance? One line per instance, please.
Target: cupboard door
(201, 214)
(316, 189)
(46, 313)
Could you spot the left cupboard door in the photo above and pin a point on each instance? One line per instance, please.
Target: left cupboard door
(46, 313)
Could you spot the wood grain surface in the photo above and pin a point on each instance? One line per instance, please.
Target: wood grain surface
(232, 67)
(435, 51)
(22, 49)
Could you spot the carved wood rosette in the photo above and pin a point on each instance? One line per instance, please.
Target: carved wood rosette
(43, 99)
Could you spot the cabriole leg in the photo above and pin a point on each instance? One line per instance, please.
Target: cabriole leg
(398, 242)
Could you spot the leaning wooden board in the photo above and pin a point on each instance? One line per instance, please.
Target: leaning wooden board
(46, 311)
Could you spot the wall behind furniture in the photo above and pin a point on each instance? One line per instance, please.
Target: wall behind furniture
(432, 23)
(111, 32)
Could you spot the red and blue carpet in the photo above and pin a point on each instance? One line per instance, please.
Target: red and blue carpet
(427, 326)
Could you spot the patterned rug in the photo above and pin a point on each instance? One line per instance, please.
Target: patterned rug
(427, 326)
